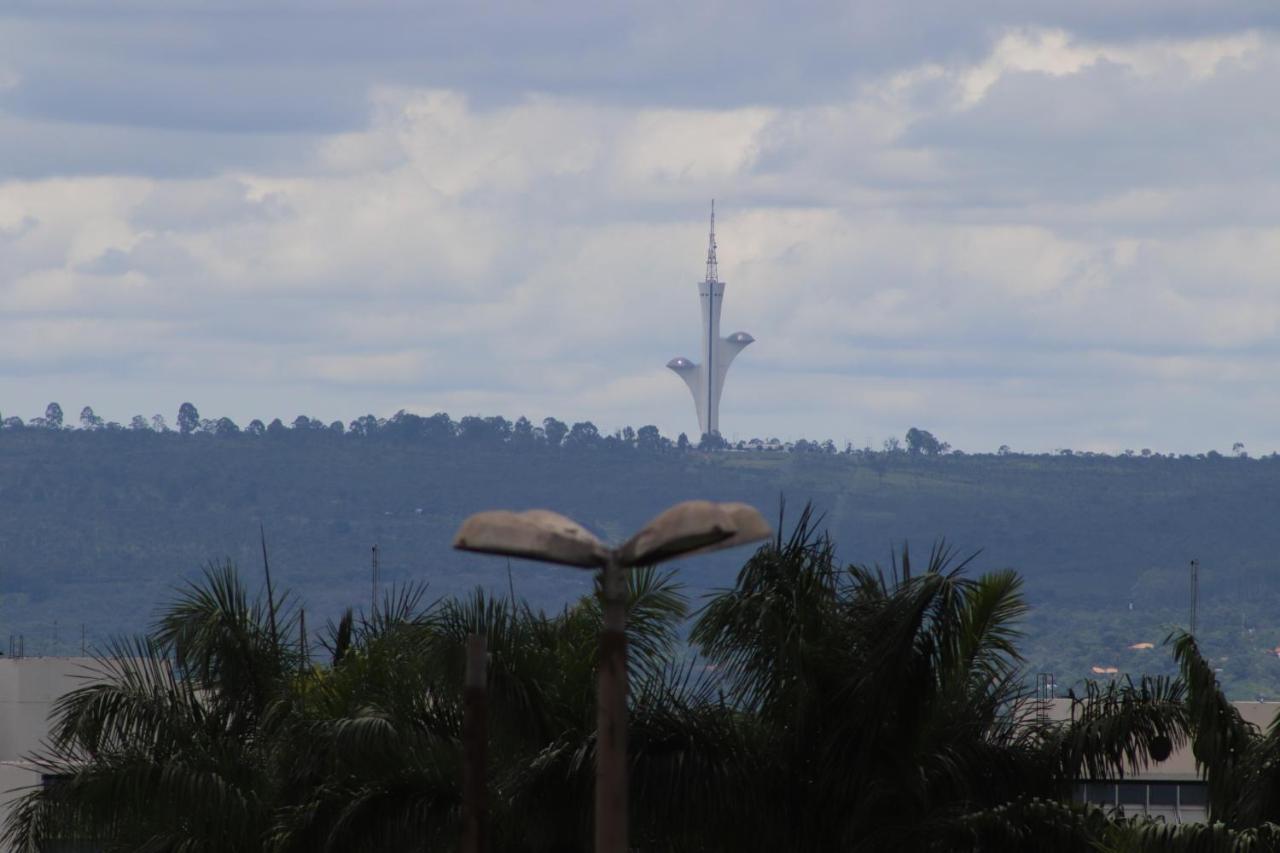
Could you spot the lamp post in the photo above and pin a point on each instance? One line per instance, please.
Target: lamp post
(687, 528)
(474, 742)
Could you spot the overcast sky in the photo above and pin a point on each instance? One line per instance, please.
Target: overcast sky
(1037, 224)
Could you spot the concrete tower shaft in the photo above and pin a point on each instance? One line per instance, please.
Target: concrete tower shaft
(706, 378)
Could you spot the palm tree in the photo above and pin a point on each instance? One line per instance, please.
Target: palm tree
(819, 707)
(382, 727)
(215, 733)
(374, 755)
(885, 708)
(168, 747)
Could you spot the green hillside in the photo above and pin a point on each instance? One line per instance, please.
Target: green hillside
(98, 526)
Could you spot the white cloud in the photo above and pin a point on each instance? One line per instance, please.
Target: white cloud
(1013, 245)
(1057, 53)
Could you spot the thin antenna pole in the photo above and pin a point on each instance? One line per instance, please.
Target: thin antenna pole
(83, 650)
(271, 593)
(302, 638)
(374, 572)
(1195, 594)
(713, 267)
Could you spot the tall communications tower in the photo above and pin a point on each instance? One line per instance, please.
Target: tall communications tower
(706, 380)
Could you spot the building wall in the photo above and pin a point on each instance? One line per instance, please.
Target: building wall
(1173, 788)
(28, 689)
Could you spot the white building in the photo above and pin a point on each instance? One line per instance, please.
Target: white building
(29, 687)
(706, 379)
(1172, 789)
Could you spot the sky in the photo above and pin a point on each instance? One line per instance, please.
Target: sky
(1046, 225)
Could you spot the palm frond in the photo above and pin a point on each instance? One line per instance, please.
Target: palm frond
(1221, 739)
(1115, 728)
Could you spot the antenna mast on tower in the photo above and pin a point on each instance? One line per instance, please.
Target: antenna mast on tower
(713, 269)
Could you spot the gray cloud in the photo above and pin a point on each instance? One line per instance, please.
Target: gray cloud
(18, 229)
(1107, 129)
(38, 148)
(307, 69)
(111, 262)
(951, 218)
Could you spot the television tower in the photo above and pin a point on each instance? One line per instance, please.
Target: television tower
(706, 380)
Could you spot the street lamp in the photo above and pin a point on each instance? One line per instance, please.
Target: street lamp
(692, 527)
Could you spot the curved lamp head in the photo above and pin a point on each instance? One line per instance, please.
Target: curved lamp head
(749, 526)
(683, 528)
(537, 534)
(692, 527)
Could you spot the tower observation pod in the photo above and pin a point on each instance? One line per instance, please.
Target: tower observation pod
(706, 379)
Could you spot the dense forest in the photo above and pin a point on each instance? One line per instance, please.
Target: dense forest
(103, 521)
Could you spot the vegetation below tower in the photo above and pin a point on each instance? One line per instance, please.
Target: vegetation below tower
(101, 523)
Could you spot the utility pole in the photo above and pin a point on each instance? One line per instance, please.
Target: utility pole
(304, 650)
(1195, 593)
(475, 703)
(611, 713)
